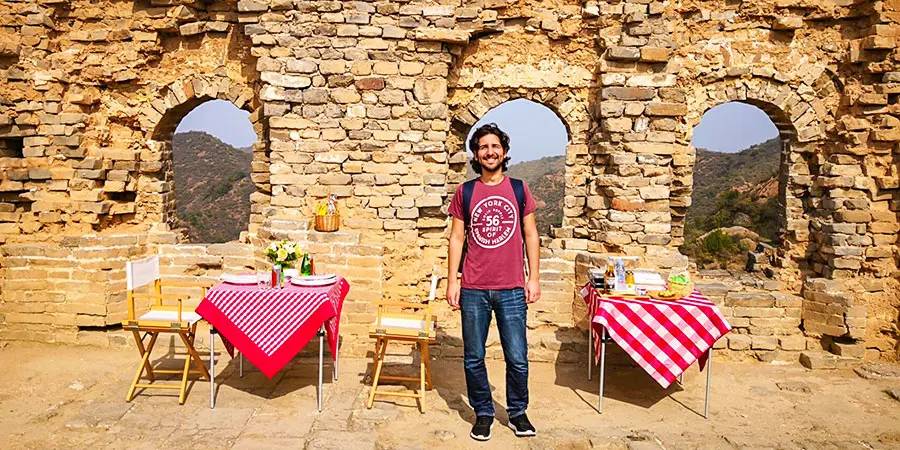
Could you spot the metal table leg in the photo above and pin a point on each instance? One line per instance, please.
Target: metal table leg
(590, 351)
(708, 371)
(337, 353)
(321, 348)
(602, 367)
(240, 365)
(212, 367)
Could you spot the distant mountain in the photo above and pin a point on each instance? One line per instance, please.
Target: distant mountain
(212, 187)
(545, 178)
(716, 172)
(735, 205)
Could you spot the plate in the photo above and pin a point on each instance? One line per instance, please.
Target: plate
(657, 295)
(310, 281)
(238, 279)
(327, 276)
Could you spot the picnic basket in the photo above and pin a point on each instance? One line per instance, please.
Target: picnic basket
(328, 222)
(681, 284)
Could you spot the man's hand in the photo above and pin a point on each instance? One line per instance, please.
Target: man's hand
(453, 294)
(532, 291)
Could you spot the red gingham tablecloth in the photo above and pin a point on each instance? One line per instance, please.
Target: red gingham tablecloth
(663, 336)
(271, 326)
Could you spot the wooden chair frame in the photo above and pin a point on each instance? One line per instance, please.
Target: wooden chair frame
(421, 338)
(183, 328)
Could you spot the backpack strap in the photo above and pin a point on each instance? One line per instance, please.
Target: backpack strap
(468, 189)
(519, 190)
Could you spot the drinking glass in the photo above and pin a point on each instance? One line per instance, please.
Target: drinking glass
(263, 280)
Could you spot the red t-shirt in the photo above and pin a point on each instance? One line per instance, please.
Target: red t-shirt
(495, 257)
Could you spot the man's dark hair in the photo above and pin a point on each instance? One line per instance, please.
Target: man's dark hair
(482, 131)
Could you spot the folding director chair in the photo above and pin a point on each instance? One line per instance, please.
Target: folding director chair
(144, 273)
(413, 324)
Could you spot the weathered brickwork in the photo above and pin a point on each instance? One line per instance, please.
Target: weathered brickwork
(372, 100)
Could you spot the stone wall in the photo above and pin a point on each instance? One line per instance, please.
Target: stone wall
(371, 101)
(59, 292)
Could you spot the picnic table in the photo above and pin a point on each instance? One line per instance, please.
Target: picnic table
(270, 326)
(664, 337)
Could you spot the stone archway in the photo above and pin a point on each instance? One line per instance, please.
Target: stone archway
(159, 120)
(801, 123)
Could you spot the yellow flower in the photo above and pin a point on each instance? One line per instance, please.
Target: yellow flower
(282, 254)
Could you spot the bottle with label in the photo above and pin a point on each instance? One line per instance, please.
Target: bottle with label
(620, 276)
(305, 266)
(629, 281)
(277, 276)
(609, 279)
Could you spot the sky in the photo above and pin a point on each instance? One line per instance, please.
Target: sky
(535, 131)
(732, 127)
(221, 119)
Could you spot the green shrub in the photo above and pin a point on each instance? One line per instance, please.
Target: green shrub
(717, 249)
(719, 244)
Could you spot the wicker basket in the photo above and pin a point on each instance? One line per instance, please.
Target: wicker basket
(328, 222)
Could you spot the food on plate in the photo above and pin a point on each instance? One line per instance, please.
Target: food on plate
(664, 295)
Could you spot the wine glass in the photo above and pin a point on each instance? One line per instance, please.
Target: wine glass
(263, 280)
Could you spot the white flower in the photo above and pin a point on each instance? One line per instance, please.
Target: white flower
(272, 247)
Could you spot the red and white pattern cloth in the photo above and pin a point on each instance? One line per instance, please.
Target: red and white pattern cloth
(663, 336)
(271, 326)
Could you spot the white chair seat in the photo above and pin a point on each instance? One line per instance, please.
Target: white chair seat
(190, 317)
(396, 322)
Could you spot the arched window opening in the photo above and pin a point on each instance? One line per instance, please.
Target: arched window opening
(537, 140)
(212, 149)
(735, 202)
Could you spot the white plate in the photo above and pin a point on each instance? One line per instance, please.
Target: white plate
(326, 276)
(306, 281)
(238, 279)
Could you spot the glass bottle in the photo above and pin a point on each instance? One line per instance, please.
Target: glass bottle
(629, 281)
(277, 275)
(305, 266)
(620, 276)
(609, 279)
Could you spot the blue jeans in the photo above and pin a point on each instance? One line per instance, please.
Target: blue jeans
(511, 310)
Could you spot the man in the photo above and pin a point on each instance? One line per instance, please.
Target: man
(493, 277)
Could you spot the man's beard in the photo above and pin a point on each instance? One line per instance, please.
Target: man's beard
(497, 168)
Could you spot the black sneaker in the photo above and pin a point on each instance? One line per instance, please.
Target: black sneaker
(481, 431)
(522, 426)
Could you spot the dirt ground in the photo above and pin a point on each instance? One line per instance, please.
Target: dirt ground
(73, 397)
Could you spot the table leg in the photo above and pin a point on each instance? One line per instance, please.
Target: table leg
(240, 365)
(708, 371)
(321, 348)
(681, 379)
(590, 351)
(602, 368)
(337, 358)
(212, 367)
